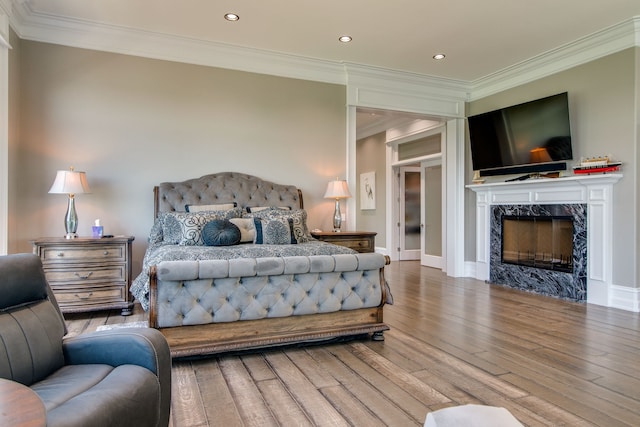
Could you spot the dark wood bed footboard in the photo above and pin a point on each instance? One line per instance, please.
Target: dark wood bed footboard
(214, 338)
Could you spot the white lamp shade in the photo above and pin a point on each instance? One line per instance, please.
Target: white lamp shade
(70, 182)
(337, 190)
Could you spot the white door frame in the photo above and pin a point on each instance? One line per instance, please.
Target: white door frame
(394, 219)
(429, 97)
(394, 196)
(453, 199)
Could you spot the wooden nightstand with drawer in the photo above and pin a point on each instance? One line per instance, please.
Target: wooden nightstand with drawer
(87, 273)
(361, 241)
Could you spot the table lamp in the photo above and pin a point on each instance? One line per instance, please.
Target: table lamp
(70, 182)
(337, 190)
(540, 155)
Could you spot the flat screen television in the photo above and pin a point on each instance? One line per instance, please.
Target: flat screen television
(526, 138)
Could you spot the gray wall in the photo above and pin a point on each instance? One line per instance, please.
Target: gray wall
(371, 157)
(636, 161)
(132, 123)
(14, 133)
(603, 99)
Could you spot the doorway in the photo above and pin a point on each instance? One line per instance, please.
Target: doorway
(410, 222)
(420, 213)
(402, 125)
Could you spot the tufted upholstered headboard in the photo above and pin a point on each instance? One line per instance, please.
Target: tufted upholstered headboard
(224, 187)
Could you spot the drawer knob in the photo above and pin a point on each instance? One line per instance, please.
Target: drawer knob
(85, 296)
(84, 277)
(106, 253)
(60, 254)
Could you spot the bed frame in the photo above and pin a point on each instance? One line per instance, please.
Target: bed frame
(211, 338)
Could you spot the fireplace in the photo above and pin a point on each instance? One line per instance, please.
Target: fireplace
(538, 242)
(587, 200)
(540, 248)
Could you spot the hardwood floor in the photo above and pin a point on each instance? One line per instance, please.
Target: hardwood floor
(452, 342)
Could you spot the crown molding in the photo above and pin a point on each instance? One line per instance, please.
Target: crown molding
(415, 88)
(5, 8)
(411, 130)
(384, 78)
(30, 25)
(371, 129)
(385, 89)
(382, 125)
(597, 45)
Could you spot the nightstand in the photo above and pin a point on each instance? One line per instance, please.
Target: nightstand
(361, 241)
(87, 273)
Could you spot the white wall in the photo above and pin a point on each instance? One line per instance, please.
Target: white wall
(132, 123)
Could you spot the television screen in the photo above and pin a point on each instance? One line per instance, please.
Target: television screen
(530, 137)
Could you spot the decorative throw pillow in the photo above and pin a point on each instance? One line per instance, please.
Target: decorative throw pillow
(262, 208)
(185, 228)
(278, 231)
(155, 235)
(220, 232)
(299, 217)
(219, 207)
(247, 229)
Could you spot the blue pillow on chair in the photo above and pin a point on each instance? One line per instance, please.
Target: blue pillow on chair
(220, 232)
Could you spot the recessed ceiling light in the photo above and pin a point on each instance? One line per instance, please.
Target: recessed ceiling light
(438, 56)
(231, 17)
(345, 39)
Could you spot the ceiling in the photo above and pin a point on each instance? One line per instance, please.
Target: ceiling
(479, 38)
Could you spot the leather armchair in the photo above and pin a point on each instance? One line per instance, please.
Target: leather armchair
(108, 378)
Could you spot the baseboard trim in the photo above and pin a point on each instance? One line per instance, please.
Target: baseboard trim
(470, 269)
(382, 250)
(625, 298)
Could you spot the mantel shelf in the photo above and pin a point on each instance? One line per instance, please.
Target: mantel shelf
(596, 179)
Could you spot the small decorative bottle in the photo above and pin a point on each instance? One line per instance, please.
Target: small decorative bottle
(97, 229)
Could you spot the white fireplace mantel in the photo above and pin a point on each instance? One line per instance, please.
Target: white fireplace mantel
(593, 190)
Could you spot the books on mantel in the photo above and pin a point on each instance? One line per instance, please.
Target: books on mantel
(597, 165)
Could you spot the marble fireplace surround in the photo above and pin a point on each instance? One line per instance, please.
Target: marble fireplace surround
(593, 191)
(573, 285)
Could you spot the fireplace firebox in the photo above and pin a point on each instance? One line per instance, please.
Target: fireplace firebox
(538, 242)
(540, 248)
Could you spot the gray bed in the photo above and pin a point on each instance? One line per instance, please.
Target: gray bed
(211, 299)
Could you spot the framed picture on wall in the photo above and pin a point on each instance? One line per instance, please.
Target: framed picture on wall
(368, 191)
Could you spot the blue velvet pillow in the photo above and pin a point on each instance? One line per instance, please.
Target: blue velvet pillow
(220, 232)
(185, 228)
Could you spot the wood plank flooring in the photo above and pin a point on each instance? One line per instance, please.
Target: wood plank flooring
(452, 342)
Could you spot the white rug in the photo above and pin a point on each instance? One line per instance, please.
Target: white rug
(142, 324)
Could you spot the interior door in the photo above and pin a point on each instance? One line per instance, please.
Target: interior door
(409, 223)
(431, 214)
